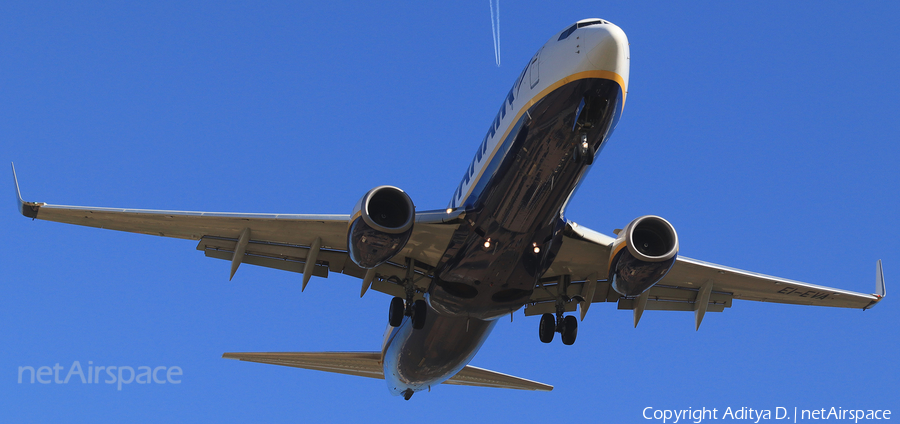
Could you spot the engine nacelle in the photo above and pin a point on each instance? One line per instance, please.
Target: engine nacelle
(380, 226)
(643, 254)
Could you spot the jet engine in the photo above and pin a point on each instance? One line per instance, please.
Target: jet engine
(380, 226)
(642, 255)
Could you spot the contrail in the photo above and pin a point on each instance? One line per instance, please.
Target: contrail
(495, 28)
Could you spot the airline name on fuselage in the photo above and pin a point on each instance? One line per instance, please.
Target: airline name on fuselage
(490, 139)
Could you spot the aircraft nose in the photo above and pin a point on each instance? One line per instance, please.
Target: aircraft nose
(608, 49)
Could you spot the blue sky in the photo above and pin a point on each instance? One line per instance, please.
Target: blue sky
(765, 132)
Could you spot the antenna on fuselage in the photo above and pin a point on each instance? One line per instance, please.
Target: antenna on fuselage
(495, 27)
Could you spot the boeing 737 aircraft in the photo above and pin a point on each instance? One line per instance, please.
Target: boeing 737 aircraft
(502, 243)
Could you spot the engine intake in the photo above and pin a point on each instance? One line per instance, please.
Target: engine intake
(642, 255)
(380, 226)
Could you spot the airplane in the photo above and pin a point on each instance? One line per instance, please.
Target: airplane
(502, 243)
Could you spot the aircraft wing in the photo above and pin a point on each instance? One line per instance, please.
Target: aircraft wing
(691, 285)
(287, 241)
(281, 241)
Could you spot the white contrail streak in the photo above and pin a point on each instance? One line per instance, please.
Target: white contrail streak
(495, 28)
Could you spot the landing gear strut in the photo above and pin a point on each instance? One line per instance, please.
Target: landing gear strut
(416, 310)
(566, 326)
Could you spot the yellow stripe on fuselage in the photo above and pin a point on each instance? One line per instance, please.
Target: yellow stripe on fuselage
(607, 75)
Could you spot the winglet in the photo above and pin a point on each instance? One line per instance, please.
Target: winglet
(28, 209)
(879, 286)
(879, 280)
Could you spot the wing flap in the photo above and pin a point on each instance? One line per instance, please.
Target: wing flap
(293, 258)
(659, 298)
(663, 305)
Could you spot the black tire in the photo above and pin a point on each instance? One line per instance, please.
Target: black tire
(395, 313)
(420, 310)
(584, 154)
(547, 327)
(570, 330)
(588, 153)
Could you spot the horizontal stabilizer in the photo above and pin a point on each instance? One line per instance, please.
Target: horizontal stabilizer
(368, 364)
(474, 376)
(363, 364)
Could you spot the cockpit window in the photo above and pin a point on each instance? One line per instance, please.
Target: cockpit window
(597, 22)
(567, 32)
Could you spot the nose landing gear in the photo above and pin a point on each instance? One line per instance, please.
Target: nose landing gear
(583, 151)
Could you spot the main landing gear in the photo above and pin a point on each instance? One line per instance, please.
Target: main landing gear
(566, 326)
(416, 310)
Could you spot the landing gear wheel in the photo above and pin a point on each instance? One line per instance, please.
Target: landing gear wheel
(583, 151)
(547, 328)
(569, 330)
(420, 309)
(395, 313)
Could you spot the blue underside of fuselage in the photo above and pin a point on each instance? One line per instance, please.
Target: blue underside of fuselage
(503, 149)
(403, 368)
(535, 148)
